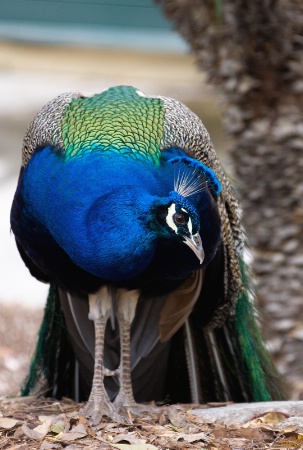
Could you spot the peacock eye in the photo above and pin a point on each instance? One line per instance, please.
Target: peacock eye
(180, 218)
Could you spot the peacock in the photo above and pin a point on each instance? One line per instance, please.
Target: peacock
(122, 206)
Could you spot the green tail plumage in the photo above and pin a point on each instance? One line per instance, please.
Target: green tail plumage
(232, 360)
(51, 367)
(264, 381)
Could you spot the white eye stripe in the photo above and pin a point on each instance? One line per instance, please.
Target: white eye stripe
(190, 225)
(169, 218)
(170, 221)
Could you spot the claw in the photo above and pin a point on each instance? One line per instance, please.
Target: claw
(94, 410)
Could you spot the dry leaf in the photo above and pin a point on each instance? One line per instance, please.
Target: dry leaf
(43, 429)
(58, 427)
(289, 444)
(106, 426)
(177, 419)
(7, 423)
(135, 447)
(194, 437)
(196, 419)
(60, 424)
(150, 428)
(237, 443)
(49, 445)
(271, 418)
(18, 433)
(162, 419)
(43, 417)
(274, 418)
(32, 434)
(128, 437)
(76, 432)
(287, 428)
(18, 447)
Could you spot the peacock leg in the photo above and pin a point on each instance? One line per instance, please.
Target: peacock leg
(126, 308)
(98, 404)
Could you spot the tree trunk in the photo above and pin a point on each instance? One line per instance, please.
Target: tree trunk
(253, 52)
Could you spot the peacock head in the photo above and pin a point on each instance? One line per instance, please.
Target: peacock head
(149, 214)
(177, 219)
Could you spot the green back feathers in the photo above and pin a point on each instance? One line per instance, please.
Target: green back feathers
(120, 119)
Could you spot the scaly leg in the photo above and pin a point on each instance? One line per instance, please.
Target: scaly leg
(126, 308)
(125, 402)
(98, 403)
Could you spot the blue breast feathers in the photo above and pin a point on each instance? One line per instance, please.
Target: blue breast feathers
(98, 208)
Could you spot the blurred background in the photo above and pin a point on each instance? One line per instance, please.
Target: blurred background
(52, 46)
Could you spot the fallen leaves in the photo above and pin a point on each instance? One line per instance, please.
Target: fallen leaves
(271, 418)
(31, 424)
(135, 447)
(286, 430)
(32, 433)
(76, 432)
(7, 423)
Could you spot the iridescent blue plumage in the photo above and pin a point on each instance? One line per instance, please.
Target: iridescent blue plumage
(106, 220)
(122, 205)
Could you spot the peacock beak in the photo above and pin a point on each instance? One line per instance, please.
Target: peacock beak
(194, 242)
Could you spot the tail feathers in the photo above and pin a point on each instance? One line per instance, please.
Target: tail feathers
(233, 361)
(52, 366)
(230, 361)
(262, 377)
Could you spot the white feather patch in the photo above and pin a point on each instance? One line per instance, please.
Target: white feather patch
(169, 218)
(190, 226)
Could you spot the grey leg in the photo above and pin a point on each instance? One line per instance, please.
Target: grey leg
(126, 308)
(98, 403)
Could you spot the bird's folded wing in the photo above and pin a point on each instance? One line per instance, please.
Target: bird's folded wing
(179, 304)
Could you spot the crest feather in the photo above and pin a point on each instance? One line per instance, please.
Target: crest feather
(189, 182)
(193, 177)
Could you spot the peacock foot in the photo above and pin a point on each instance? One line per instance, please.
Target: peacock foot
(125, 405)
(96, 408)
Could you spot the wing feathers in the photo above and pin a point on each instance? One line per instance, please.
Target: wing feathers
(179, 305)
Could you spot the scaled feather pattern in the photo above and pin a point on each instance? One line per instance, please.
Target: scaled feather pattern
(123, 207)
